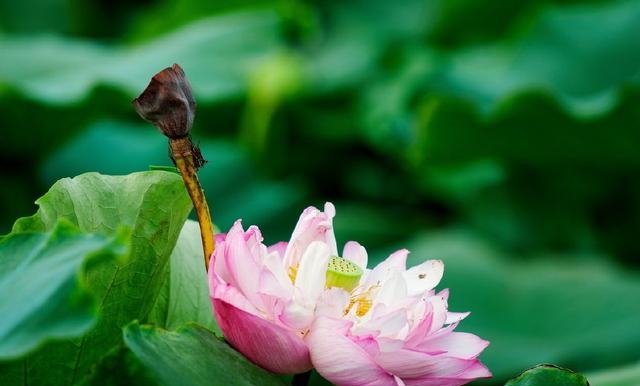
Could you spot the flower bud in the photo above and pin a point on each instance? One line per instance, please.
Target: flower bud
(168, 103)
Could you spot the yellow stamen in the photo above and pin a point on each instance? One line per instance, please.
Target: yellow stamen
(364, 306)
(293, 272)
(362, 301)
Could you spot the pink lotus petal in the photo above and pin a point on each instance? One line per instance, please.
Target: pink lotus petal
(445, 330)
(398, 259)
(313, 225)
(232, 295)
(399, 381)
(439, 312)
(444, 294)
(242, 266)
(332, 303)
(339, 359)
(273, 296)
(384, 322)
(220, 237)
(368, 343)
(279, 248)
(458, 344)
(393, 325)
(410, 364)
(477, 370)
(217, 263)
(395, 262)
(253, 238)
(456, 317)
(356, 253)
(389, 344)
(297, 316)
(273, 264)
(422, 328)
(269, 346)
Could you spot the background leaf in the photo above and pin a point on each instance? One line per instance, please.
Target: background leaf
(558, 38)
(542, 308)
(120, 367)
(44, 281)
(155, 206)
(617, 376)
(184, 296)
(193, 355)
(226, 47)
(548, 375)
(230, 178)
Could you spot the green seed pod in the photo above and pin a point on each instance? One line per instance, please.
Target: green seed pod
(343, 273)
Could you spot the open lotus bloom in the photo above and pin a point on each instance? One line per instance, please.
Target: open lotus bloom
(298, 305)
(264, 298)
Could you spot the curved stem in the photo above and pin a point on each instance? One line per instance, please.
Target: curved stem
(184, 161)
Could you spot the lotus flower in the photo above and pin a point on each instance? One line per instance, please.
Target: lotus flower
(392, 328)
(264, 298)
(298, 305)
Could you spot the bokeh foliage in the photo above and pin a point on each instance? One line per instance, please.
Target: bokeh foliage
(500, 137)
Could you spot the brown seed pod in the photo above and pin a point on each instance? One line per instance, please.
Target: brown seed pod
(168, 102)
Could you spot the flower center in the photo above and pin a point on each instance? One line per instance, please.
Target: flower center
(362, 304)
(343, 273)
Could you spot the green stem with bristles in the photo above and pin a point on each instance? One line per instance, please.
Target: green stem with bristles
(183, 158)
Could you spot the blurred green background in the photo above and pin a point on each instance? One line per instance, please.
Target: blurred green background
(501, 137)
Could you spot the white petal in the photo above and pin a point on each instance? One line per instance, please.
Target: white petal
(356, 253)
(393, 290)
(416, 311)
(390, 324)
(311, 276)
(389, 344)
(398, 259)
(332, 303)
(423, 277)
(270, 285)
(395, 261)
(439, 312)
(455, 317)
(313, 225)
(330, 237)
(273, 262)
(297, 316)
